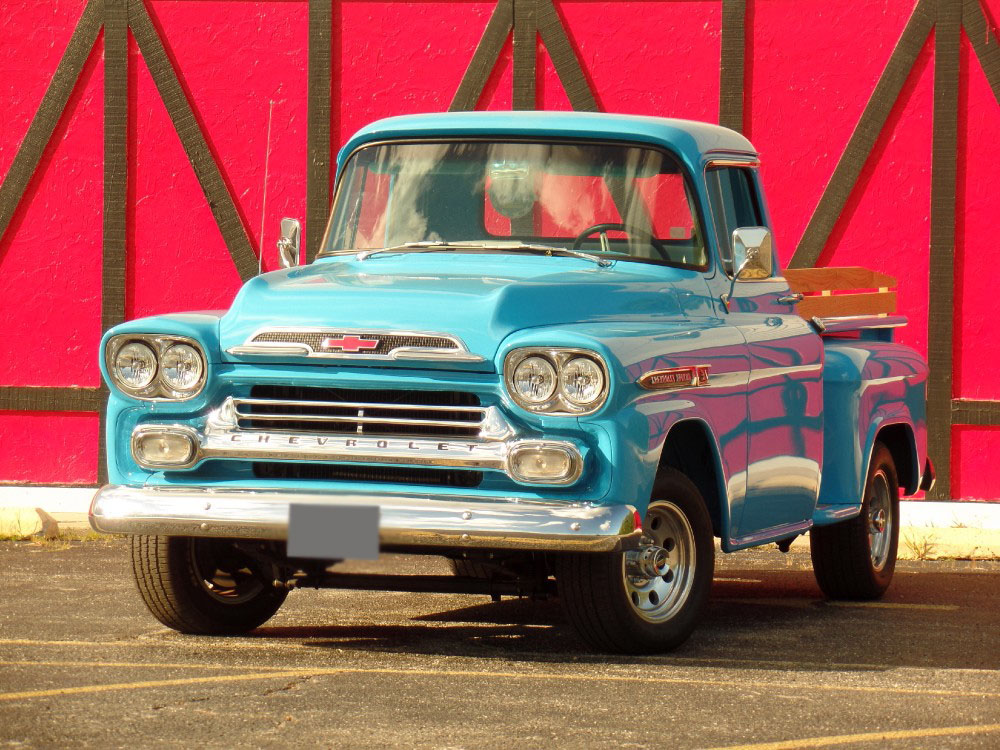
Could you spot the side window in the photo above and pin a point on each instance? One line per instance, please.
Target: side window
(734, 204)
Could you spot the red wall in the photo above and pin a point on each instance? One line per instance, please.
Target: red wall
(811, 69)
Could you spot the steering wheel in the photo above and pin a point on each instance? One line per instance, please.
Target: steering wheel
(632, 231)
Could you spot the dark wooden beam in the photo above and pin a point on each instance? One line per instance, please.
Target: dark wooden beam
(50, 110)
(984, 43)
(731, 64)
(525, 55)
(876, 112)
(220, 201)
(115, 161)
(318, 128)
(941, 320)
(113, 258)
(978, 413)
(484, 59)
(44, 398)
(564, 58)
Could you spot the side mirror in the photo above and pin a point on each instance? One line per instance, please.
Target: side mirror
(752, 257)
(288, 244)
(752, 253)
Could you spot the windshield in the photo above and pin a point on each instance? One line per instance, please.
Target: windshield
(613, 201)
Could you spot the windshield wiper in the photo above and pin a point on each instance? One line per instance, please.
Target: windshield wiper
(550, 250)
(428, 246)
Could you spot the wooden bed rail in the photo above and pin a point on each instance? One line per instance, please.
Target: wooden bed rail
(836, 292)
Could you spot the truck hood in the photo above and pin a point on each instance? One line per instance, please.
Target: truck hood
(479, 298)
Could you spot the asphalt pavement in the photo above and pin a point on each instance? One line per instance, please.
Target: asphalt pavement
(772, 666)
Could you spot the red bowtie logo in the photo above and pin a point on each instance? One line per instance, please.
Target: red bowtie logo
(349, 343)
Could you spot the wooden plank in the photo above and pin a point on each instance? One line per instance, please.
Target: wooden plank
(44, 398)
(318, 127)
(525, 55)
(984, 43)
(805, 280)
(484, 58)
(838, 305)
(731, 64)
(115, 162)
(50, 110)
(940, 313)
(113, 257)
(564, 58)
(979, 413)
(860, 145)
(220, 200)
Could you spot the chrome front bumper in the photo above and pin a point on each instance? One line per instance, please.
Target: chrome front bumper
(472, 522)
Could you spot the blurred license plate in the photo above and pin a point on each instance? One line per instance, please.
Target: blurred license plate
(333, 532)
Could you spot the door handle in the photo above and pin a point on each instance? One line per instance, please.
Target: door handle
(790, 299)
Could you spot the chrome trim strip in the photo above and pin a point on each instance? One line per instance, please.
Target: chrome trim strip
(749, 161)
(223, 438)
(405, 520)
(857, 322)
(277, 350)
(251, 348)
(354, 405)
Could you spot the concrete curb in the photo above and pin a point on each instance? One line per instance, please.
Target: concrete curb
(929, 530)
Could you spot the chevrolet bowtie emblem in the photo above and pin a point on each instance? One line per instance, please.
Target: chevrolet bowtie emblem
(350, 343)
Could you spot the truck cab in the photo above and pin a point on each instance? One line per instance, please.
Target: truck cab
(555, 348)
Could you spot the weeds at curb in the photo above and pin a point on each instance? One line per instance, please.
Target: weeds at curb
(920, 547)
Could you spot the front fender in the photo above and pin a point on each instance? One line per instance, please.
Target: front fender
(636, 421)
(123, 411)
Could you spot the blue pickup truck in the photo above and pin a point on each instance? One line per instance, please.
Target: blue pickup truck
(554, 348)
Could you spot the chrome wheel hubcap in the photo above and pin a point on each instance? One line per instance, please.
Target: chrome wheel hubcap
(659, 598)
(879, 520)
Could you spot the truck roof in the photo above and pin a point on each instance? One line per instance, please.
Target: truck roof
(695, 142)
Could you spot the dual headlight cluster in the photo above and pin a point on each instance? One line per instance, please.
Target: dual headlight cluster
(156, 366)
(569, 382)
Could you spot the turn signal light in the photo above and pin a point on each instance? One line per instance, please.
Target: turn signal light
(536, 462)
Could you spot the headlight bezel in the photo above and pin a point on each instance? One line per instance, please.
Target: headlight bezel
(559, 403)
(158, 389)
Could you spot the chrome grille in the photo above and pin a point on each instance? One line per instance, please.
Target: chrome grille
(385, 343)
(362, 412)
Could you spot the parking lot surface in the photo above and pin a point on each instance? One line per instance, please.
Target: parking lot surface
(772, 666)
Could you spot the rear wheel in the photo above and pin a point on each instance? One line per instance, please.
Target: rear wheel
(203, 586)
(469, 569)
(615, 607)
(855, 559)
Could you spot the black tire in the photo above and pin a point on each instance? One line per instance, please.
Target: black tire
(469, 569)
(607, 608)
(184, 583)
(853, 559)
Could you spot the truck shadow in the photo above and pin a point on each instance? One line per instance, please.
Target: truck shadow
(755, 620)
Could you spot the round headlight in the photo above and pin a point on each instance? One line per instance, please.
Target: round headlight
(534, 380)
(582, 381)
(181, 367)
(134, 366)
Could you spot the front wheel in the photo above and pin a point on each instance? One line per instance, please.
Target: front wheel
(855, 559)
(203, 586)
(615, 608)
